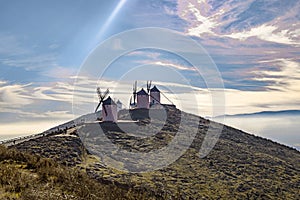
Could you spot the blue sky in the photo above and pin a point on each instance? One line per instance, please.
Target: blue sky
(254, 43)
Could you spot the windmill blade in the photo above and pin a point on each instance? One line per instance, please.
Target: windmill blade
(134, 88)
(134, 91)
(148, 86)
(99, 92)
(134, 98)
(98, 106)
(105, 93)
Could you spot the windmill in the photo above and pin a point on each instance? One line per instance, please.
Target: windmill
(149, 86)
(101, 96)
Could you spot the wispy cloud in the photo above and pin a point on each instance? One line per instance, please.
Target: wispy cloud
(17, 95)
(10, 45)
(2, 82)
(160, 58)
(30, 62)
(14, 96)
(14, 53)
(236, 20)
(195, 12)
(54, 46)
(59, 72)
(147, 53)
(173, 65)
(269, 33)
(285, 78)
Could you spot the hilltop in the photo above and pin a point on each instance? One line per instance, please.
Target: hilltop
(240, 166)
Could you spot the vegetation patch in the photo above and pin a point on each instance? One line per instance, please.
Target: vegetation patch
(26, 176)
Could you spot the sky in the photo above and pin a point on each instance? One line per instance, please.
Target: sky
(44, 46)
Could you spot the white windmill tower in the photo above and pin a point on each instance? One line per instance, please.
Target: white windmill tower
(108, 106)
(154, 96)
(142, 99)
(111, 110)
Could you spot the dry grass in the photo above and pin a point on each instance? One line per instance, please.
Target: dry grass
(25, 176)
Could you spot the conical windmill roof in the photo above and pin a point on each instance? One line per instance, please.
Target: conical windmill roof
(154, 89)
(142, 92)
(109, 101)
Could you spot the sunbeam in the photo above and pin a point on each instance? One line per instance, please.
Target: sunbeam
(111, 18)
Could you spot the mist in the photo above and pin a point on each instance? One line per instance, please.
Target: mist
(283, 129)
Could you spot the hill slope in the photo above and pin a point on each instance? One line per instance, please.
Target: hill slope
(241, 166)
(25, 176)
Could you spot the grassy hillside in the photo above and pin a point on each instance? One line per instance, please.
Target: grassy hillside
(241, 165)
(25, 176)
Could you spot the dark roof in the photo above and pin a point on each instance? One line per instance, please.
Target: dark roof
(154, 89)
(109, 101)
(142, 92)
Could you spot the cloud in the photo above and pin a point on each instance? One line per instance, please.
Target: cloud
(191, 99)
(14, 96)
(2, 82)
(14, 53)
(170, 11)
(173, 65)
(269, 33)
(160, 58)
(245, 42)
(10, 45)
(57, 115)
(195, 12)
(30, 62)
(31, 103)
(54, 46)
(18, 96)
(24, 115)
(59, 72)
(147, 53)
(57, 92)
(241, 20)
(285, 78)
(23, 128)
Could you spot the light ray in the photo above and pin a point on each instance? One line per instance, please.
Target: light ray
(111, 18)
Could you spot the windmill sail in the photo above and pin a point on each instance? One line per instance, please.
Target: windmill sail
(149, 86)
(98, 106)
(101, 97)
(134, 92)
